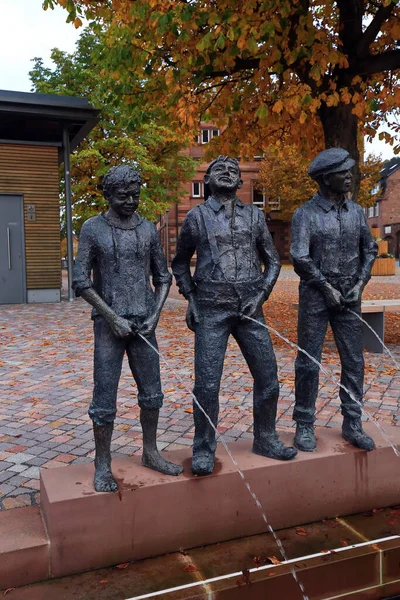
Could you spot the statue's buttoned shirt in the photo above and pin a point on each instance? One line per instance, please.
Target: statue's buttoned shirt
(330, 243)
(122, 261)
(243, 245)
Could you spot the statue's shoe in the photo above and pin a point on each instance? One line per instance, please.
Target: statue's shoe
(274, 448)
(353, 433)
(203, 463)
(304, 438)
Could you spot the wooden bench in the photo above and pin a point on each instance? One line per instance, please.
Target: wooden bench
(373, 312)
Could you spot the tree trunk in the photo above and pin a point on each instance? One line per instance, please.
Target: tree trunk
(341, 131)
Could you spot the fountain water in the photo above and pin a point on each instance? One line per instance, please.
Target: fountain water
(234, 461)
(332, 378)
(377, 336)
(224, 444)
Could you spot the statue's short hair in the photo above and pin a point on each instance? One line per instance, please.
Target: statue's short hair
(119, 175)
(221, 158)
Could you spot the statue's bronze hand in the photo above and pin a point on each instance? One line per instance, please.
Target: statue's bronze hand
(149, 324)
(192, 315)
(121, 327)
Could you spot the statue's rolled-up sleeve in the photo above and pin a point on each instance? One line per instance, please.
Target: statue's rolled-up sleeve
(269, 255)
(368, 250)
(185, 249)
(84, 261)
(158, 261)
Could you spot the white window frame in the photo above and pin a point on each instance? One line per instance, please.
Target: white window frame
(376, 210)
(201, 189)
(260, 205)
(210, 134)
(274, 205)
(388, 229)
(203, 135)
(370, 212)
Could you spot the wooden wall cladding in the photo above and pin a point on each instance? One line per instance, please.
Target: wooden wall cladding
(32, 172)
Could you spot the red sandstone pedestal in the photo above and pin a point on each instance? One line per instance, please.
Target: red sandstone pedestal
(153, 514)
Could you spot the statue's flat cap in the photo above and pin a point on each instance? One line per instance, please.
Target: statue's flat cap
(331, 160)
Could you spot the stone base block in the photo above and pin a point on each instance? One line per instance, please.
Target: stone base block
(24, 547)
(153, 514)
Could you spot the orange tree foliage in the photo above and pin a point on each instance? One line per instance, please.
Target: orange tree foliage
(305, 69)
(283, 178)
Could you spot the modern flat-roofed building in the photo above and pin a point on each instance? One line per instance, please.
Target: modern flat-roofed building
(37, 134)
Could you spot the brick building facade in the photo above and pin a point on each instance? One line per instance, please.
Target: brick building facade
(385, 215)
(171, 222)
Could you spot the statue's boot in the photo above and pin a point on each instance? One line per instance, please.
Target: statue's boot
(353, 433)
(203, 463)
(266, 440)
(104, 480)
(304, 438)
(151, 457)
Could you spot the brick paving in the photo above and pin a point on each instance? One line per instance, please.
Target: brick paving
(46, 384)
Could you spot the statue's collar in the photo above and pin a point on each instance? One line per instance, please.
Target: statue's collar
(216, 204)
(120, 224)
(327, 205)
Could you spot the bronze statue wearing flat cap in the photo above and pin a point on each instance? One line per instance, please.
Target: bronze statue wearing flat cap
(333, 252)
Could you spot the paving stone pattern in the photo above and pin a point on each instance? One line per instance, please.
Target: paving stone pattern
(46, 385)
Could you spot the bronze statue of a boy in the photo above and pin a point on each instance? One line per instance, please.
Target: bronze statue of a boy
(237, 266)
(123, 250)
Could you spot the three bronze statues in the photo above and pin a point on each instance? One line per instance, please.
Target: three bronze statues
(237, 266)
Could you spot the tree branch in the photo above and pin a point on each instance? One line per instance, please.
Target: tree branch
(369, 35)
(377, 63)
(241, 64)
(350, 24)
(302, 11)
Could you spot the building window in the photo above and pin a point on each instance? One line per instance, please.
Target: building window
(274, 205)
(376, 210)
(388, 229)
(258, 198)
(197, 189)
(197, 139)
(370, 212)
(207, 135)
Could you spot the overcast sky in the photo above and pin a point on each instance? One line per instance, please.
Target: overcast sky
(27, 31)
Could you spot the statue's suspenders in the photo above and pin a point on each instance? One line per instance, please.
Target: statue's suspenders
(210, 234)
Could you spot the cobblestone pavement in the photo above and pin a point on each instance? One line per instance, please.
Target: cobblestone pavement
(46, 384)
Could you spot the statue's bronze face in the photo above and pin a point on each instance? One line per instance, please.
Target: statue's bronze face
(124, 199)
(339, 182)
(224, 175)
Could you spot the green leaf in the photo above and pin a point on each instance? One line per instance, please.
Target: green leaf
(262, 112)
(220, 43)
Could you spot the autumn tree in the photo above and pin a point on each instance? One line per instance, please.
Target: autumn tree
(122, 135)
(284, 179)
(268, 69)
